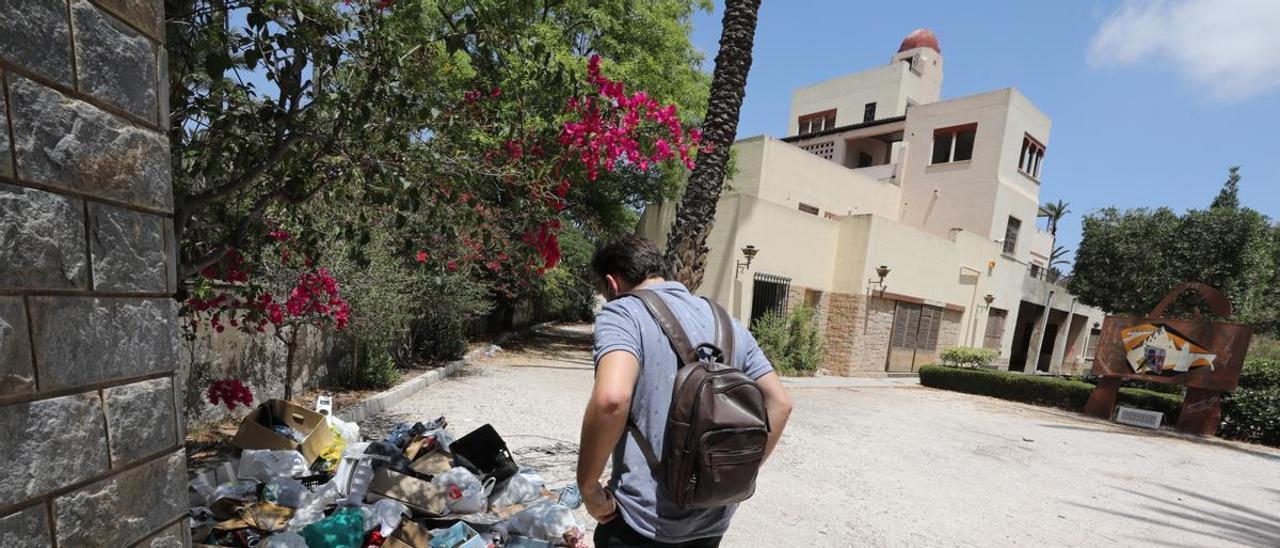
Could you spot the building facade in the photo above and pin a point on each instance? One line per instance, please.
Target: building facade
(877, 175)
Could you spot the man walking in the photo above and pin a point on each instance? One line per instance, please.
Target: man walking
(635, 373)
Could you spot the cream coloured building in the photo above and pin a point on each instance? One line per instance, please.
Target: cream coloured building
(879, 171)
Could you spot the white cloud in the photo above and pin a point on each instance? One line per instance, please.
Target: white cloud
(1229, 49)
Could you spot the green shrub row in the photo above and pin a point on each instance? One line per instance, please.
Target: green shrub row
(1060, 392)
(965, 356)
(1250, 413)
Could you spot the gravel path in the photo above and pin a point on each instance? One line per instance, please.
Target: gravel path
(892, 464)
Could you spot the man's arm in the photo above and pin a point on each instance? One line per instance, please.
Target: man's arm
(605, 421)
(778, 403)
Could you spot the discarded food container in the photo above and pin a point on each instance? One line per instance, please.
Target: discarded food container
(278, 424)
(460, 535)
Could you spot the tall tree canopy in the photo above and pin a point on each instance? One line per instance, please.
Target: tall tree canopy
(1128, 260)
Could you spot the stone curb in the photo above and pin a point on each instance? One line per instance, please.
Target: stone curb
(382, 401)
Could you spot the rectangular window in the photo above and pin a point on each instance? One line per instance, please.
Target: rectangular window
(1011, 235)
(869, 112)
(1031, 156)
(1091, 349)
(808, 208)
(995, 329)
(812, 297)
(864, 159)
(954, 144)
(818, 121)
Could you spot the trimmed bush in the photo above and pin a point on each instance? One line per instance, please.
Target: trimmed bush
(1037, 389)
(1252, 415)
(965, 356)
(1059, 392)
(791, 342)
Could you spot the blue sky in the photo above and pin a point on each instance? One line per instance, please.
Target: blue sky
(1151, 101)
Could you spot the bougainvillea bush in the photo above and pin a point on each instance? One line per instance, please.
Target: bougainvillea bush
(415, 163)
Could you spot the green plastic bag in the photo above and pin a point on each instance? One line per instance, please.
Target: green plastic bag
(343, 529)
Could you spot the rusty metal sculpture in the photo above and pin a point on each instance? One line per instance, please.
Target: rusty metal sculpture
(1205, 356)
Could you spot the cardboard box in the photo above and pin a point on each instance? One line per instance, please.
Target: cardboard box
(422, 496)
(310, 424)
(409, 535)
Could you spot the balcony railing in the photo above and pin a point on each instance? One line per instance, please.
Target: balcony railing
(1048, 275)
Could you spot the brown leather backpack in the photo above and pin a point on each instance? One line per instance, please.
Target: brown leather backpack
(717, 427)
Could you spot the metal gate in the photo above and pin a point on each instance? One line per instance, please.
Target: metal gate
(914, 341)
(769, 294)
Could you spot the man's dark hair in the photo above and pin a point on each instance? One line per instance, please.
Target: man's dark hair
(633, 258)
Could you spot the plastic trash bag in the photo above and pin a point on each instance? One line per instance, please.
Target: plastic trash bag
(544, 520)
(569, 496)
(331, 454)
(199, 492)
(343, 529)
(265, 465)
(286, 492)
(525, 486)
(466, 494)
(314, 505)
(384, 515)
(348, 431)
(287, 539)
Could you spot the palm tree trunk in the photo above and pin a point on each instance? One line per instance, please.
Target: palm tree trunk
(687, 242)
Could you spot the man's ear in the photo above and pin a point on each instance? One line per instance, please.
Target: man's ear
(612, 282)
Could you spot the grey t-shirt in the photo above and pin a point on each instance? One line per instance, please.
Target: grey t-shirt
(625, 324)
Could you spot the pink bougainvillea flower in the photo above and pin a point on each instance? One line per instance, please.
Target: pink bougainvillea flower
(422, 256)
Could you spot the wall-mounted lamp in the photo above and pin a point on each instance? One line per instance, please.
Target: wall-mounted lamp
(988, 298)
(750, 253)
(1097, 325)
(882, 271)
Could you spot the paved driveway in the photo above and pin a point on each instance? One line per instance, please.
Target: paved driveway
(889, 463)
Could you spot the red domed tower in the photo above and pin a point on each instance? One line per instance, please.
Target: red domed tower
(920, 38)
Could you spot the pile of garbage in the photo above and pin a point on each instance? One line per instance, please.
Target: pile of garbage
(306, 479)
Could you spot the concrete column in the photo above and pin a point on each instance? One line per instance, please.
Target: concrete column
(1037, 336)
(1060, 342)
(91, 451)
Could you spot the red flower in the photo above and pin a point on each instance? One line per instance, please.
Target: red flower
(422, 256)
(229, 392)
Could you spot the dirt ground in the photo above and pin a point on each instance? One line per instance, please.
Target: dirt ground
(888, 463)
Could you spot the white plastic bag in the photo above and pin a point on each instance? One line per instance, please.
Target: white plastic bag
(287, 539)
(314, 505)
(265, 465)
(525, 486)
(544, 520)
(236, 490)
(466, 494)
(288, 492)
(355, 473)
(349, 431)
(384, 515)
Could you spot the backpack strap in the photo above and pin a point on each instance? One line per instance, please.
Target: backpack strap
(666, 319)
(685, 352)
(724, 331)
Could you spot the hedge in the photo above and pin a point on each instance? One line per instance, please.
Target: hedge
(1068, 394)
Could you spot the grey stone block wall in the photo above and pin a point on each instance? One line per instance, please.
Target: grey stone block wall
(89, 419)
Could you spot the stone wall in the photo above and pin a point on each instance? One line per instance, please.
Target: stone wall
(89, 420)
(857, 334)
(257, 360)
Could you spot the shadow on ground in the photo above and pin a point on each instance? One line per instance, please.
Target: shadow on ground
(1184, 510)
(555, 343)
